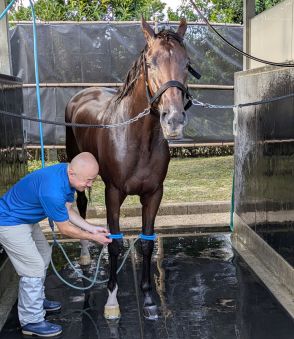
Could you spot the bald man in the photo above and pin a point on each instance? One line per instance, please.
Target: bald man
(48, 192)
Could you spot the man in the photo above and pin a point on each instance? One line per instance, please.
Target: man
(48, 192)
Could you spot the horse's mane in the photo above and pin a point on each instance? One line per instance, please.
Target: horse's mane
(134, 72)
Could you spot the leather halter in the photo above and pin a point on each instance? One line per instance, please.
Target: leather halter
(172, 83)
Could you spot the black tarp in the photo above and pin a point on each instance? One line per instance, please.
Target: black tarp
(12, 153)
(102, 53)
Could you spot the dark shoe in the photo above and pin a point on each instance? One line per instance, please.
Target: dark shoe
(42, 329)
(51, 306)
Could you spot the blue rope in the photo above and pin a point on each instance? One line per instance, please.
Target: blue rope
(115, 236)
(148, 237)
(4, 13)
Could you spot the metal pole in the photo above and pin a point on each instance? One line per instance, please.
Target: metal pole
(248, 14)
(118, 84)
(5, 61)
(156, 24)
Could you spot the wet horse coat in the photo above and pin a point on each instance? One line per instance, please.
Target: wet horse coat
(133, 158)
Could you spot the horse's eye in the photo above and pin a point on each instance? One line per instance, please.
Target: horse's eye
(154, 61)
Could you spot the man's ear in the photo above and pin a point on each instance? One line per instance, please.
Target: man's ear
(70, 171)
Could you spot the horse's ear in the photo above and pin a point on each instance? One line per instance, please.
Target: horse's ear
(147, 30)
(182, 28)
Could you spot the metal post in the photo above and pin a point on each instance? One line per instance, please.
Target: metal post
(5, 61)
(248, 14)
(156, 24)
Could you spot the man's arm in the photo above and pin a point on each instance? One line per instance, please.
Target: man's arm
(71, 231)
(77, 220)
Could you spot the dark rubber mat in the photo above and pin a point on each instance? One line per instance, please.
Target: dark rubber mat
(202, 288)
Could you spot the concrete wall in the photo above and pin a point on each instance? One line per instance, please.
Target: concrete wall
(272, 34)
(264, 174)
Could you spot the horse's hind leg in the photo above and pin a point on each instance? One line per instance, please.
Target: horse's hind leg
(72, 150)
(82, 201)
(150, 204)
(71, 145)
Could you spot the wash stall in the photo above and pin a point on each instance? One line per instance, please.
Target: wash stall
(264, 155)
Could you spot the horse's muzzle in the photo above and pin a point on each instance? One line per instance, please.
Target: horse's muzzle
(173, 124)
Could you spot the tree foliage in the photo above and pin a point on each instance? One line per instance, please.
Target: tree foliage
(229, 11)
(89, 10)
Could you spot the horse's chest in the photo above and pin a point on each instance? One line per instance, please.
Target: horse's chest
(138, 171)
(143, 180)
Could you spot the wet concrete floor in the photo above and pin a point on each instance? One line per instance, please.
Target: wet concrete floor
(203, 290)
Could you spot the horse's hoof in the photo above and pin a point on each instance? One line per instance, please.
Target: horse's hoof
(85, 260)
(111, 312)
(150, 312)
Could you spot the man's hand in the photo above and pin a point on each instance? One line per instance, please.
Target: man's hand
(99, 230)
(100, 235)
(78, 221)
(74, 232)
(101, 238)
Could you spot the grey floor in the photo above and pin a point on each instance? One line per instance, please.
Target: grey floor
(202, 288)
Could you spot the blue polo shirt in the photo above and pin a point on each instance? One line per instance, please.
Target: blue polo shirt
(38, 195)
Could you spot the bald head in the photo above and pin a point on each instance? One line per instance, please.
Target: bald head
(82, 171)
(84, 162)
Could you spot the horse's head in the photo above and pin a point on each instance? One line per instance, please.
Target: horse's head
(165, 70)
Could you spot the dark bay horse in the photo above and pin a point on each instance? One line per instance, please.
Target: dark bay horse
(134, 158)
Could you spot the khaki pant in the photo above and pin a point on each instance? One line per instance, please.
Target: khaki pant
(27, 249)
(30, 255)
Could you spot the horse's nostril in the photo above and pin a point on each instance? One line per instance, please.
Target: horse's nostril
(164, 114)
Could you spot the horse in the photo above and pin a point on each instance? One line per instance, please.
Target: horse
(133, 158)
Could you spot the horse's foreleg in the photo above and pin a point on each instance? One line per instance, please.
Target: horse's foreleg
(114, 198)
(150, 204)
(82, 201)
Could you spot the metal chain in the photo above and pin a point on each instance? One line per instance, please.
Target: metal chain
(119, 124)
(196, 102)
(146, 111)
(130, 121)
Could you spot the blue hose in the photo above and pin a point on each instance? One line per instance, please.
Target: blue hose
(232, 204)
(94, 279)
(3, 14)
(37, 82)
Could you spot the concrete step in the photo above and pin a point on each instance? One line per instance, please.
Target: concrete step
(165, 224)
(167, 209)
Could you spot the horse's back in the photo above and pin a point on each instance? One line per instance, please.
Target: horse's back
(90, 103)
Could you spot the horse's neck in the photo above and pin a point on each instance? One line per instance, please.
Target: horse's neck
(138, 100)
(135, 104)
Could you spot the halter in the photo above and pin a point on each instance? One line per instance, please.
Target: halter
(172, 83)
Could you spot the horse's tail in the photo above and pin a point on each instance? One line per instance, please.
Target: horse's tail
(71, 145)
